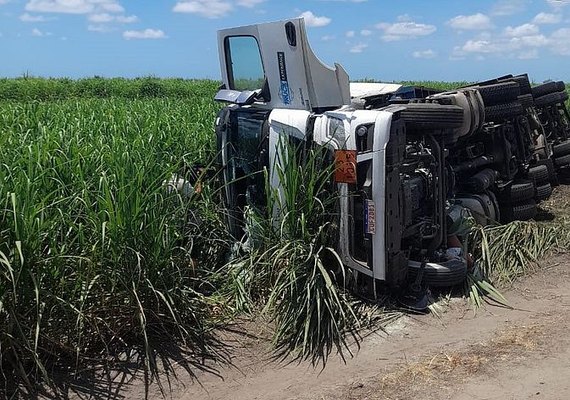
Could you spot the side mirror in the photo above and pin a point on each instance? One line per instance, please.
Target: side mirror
(244, 98)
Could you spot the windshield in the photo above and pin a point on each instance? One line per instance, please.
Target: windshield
(245, 143)
(247, 156)
(245, 66)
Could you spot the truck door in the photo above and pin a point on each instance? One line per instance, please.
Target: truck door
(276, 59)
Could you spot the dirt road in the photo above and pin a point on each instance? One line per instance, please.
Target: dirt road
(496, 353)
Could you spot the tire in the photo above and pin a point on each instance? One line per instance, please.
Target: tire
(489, 82)
(445, 274)
(543, 192)
(518, 212)
(524, 83)
(503, 111)
(517, 192)
(544, 89)
(552, 175)
(499, 93)
(538, 174)
(429, 116)
(526, 100)
(562, 161)
(561, 149)
(550, 99)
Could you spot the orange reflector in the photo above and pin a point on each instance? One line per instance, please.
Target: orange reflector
(345, 166)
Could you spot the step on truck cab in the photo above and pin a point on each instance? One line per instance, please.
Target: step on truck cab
(418, 161)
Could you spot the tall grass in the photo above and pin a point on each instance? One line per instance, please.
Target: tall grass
(96, 257)
(292, 274)
(31, 88)
(505, 253)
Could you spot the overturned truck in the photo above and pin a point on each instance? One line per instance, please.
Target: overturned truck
(415, 159)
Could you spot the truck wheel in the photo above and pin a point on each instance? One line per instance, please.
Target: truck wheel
(561, 149)
(526, 100)
(544, 89)
(562, 161)
(538, 174)
(550, 99)
(502, 111)
(543, 192)
(444, 274)
(524, 83)
(552, 175)
(517, 192)
(518, 212)
(430, 116)
(499, 93)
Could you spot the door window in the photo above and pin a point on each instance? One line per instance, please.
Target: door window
(244, 63)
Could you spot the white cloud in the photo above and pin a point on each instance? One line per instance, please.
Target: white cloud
(424, 54)
(124, 19)
(106, 18)
(204, 8)
(328, 38)
(249, 3)
(521, 30)
(100, 28)
(4, 2)
(522, 43)
(405, 30)
(101, 18)
(359, 48)
(404, 18)
(557, 4)
(546, 18)
(144, 34)
(312, 20)
(73, 6)
(560, 42)
(111, 7)
(350, 34)
(479, 46)
(458, 54)
(528, 55)
(38, 33)
(366, 32)
(32, 18)
(470, 22)
(509, 7)
(529, 41)
(60, 6)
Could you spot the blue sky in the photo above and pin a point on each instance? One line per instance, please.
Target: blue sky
(379, 39)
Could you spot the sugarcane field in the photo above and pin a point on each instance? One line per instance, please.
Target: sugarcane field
(273, 226)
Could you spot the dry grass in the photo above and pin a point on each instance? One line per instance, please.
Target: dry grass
(450, 366)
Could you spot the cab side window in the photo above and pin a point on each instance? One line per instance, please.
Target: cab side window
(244, 63)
